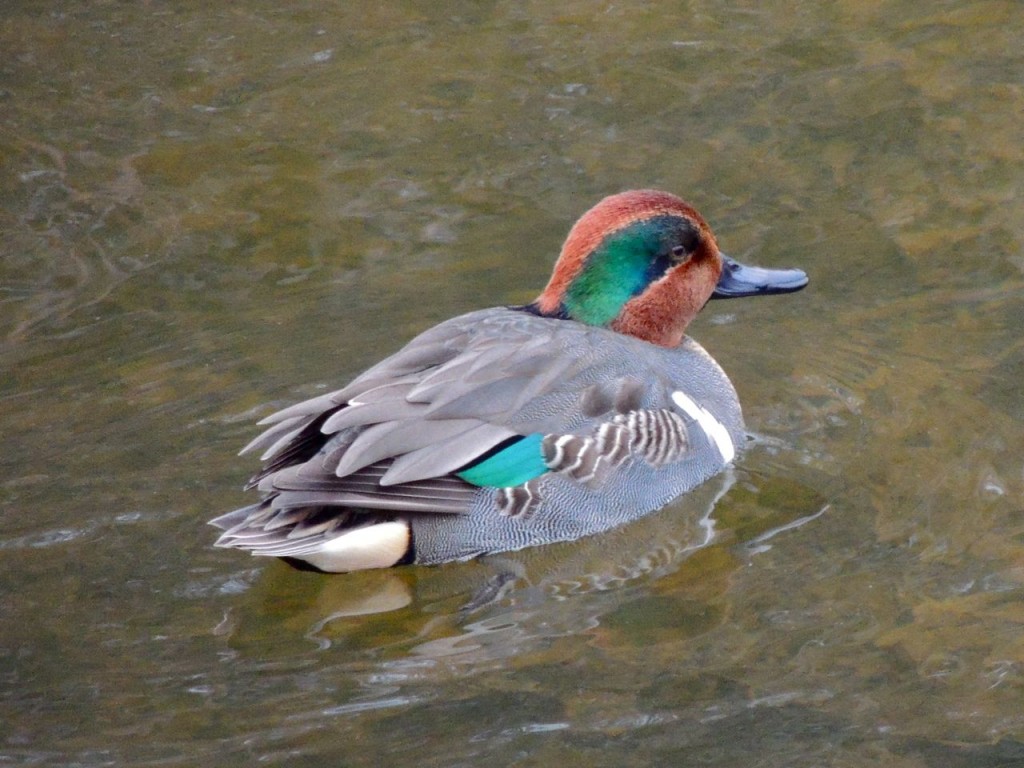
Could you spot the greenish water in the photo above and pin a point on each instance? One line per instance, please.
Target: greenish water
(210, 212)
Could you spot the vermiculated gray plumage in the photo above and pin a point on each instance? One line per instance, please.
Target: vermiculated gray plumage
(386, 446)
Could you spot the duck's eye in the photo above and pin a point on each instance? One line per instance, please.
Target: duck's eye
(679, 253)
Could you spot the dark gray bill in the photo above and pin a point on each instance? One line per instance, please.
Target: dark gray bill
(740, 280)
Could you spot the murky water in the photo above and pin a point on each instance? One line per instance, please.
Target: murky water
(209, 212)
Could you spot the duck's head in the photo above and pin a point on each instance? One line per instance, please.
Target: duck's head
(644, 263)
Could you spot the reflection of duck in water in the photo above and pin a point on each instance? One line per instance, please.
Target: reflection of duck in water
(501, 604)
(517, 426)
(666, 575)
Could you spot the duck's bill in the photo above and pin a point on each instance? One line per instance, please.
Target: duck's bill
(740, 280)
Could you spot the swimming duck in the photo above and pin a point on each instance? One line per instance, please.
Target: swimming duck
(517, 426)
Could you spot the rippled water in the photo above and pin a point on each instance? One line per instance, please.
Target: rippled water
(210, 212)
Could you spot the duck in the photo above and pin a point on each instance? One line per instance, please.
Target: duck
(518, 426)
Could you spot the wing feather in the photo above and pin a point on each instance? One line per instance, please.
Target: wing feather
(445, 456)
(312, 407)
(364, 414)
(395, 438)
(288, 427)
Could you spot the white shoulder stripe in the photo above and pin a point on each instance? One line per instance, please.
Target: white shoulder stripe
(714, 429)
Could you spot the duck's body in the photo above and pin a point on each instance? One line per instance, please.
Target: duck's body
(511, 427)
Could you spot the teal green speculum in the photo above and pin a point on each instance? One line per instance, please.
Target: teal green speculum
(511, 466)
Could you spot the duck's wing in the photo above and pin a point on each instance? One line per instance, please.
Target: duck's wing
(395, 436)
(489, 399)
